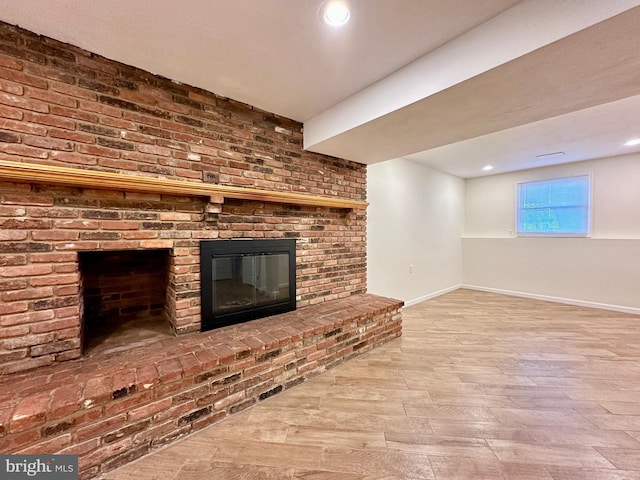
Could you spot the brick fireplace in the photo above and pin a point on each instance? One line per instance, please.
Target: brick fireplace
(77, 114)
(62, 106)
(123, 297)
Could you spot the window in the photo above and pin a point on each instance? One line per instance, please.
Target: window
(554, 207)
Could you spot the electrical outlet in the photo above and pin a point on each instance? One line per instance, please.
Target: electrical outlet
(410, 268)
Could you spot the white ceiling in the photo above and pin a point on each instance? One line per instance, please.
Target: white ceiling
(454, 84)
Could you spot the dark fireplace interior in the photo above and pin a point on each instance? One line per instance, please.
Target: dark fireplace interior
(124, 297)
(246, 279)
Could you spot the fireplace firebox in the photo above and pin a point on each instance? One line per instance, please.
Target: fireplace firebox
(246, 279)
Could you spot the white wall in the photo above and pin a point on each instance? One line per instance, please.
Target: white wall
(601, 270)
(415, 217)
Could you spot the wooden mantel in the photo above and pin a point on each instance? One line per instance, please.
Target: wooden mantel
(75, 177)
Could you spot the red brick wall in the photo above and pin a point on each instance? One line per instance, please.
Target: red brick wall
(60, 105)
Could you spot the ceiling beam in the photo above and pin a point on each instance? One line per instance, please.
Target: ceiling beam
(380, 122)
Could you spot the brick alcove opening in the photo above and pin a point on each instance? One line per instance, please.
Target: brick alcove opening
(124, 299)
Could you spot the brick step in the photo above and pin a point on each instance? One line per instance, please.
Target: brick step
(113, 408)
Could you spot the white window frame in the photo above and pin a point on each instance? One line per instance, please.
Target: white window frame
(586, 234)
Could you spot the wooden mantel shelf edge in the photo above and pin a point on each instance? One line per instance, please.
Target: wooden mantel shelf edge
(76, 177)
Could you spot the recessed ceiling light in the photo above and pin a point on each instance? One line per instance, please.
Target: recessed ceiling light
(335, 13)
(633, 142)
(487, 168)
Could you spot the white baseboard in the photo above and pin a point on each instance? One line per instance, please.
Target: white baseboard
(548, 298)
(428, 296)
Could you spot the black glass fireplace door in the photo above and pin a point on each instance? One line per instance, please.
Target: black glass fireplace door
(246, 279)
(249, 281)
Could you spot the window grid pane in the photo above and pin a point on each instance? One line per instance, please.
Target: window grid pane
(559, 206)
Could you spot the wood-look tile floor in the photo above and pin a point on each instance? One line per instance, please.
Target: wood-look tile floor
(480, 386)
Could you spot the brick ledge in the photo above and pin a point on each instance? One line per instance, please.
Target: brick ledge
(114, 408)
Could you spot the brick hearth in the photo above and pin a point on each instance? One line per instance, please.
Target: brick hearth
(111, 409)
